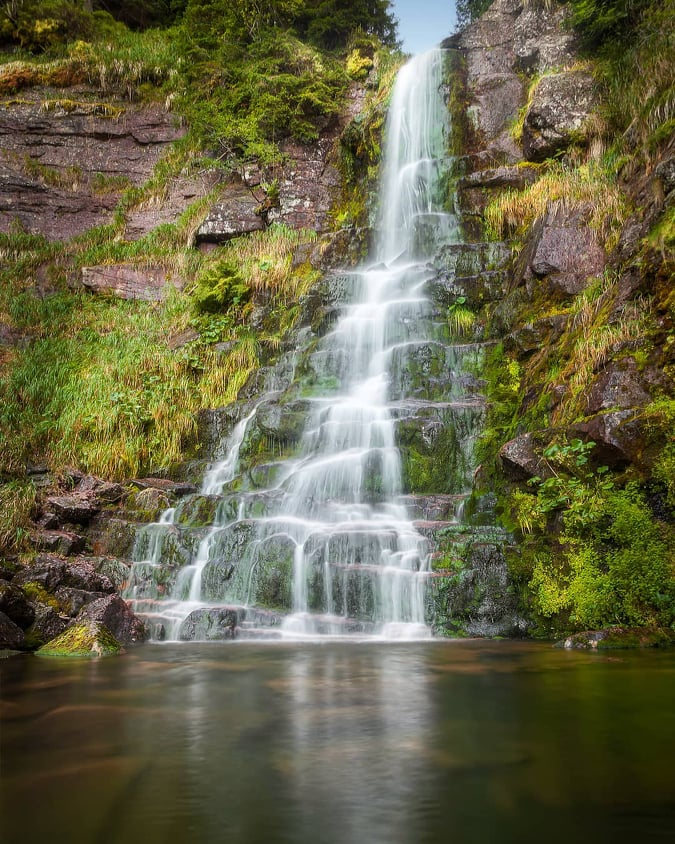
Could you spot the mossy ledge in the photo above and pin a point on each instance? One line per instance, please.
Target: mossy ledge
(83, 641)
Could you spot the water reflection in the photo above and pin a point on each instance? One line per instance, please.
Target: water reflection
(417, 742)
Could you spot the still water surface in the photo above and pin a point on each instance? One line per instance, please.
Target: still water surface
(326, 743)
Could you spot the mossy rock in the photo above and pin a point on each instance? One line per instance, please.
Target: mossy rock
(83, 640)
(619, 638)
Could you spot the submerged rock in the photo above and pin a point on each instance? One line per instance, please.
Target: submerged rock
(618, 638)
(89, 639)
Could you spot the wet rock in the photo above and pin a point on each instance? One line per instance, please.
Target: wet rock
(47, 625)
(129, 282)
(559, 108)
(15, 605)
(71, 509)
(618, 387)
(114, 613)
(151, 502)
(208, 624)
(60, 542)
(520, 459)
(90, 639)
(11, 635)
(618, 436)
(111, 537)
(177, 488)
(478, 599)
(117, 571)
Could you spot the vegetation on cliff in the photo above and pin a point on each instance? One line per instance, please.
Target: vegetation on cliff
(113, 386)
(582, 382)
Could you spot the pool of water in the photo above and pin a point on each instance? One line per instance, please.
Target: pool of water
(336, 742)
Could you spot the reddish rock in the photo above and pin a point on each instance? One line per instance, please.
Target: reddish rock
(61, 542)
(71, 509)
(70, 152)
(564, 248)
(235, 214)
(128, 282)
(520, 460)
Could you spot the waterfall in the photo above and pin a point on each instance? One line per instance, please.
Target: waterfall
(328, 540)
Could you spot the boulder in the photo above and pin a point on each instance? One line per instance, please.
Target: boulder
(563, 248)
(114, 613)
(559, 108)
(89, 639)
(618, 436)
(71, 509)
(11, 635)
(210, 623)
(47, 625)
(46, 571)
(235, 213)
(72, 600)
(520, 460)
(618, 387)
(61, 542)
(15, 605)
(612, 638)
(52, 572)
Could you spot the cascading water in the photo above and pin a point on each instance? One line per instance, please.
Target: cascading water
(329, 539)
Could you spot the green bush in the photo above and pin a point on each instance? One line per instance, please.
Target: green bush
(220, 288)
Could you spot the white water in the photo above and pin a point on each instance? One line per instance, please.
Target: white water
(359, 565)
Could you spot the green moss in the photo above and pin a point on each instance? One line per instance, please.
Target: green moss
(82, 640)
(37, 592)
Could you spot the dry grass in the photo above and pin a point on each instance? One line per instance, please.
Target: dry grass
(585, 186)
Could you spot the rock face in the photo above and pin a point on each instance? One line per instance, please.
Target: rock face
(560, 105)
(63, 163)
(509, 39)
(129, 282)
(238, 212)
(563, 248)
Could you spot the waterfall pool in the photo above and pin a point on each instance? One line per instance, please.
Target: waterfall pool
(333, 742)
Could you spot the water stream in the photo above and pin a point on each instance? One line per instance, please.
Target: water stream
(327, 537)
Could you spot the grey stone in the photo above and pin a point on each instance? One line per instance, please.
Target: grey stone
(559, 108)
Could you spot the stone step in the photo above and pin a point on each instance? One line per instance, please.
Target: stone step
(256, 633)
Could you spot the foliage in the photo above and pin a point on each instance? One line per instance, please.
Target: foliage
(461, 319)
(589, 183)
(470, 10)
(17, 500)
(219, 288)
(610, 561)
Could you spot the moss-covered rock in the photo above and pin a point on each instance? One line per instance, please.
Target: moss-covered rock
(619, 638)
(90, 639)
